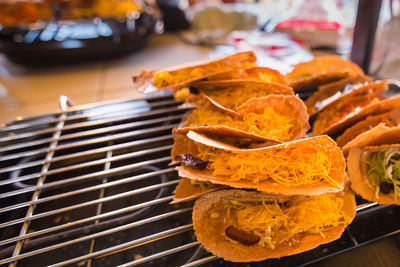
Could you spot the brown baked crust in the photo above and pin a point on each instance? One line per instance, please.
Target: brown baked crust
(360, 182)
(319, 71)
(143, 81)
(211, 232)
(365, 125)
(323, 143)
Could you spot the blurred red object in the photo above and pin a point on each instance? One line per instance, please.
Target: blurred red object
(308, 24)
(275, 50)
(193, 2)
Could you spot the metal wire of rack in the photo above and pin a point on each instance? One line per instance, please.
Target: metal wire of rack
(91, 185)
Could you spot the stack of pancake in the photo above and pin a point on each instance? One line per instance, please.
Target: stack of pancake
(354, 108)
(262, 187)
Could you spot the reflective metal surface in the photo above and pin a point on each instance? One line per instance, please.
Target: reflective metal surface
(90, 185)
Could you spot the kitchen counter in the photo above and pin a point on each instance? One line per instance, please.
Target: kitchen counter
(28, 91)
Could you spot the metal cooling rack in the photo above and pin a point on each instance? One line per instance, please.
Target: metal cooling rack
(91, 186)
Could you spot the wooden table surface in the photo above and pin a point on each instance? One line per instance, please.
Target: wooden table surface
(25, 91)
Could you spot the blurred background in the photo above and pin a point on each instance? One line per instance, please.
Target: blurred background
(89, 49)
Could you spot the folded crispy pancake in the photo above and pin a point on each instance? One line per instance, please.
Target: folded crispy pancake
(309, 166)
(258, 122)
(368, 173)
(224, 131)
(321, 70)
(353, 107)
(261, 74)
(175, 77)
(227, 135)
(189, 189)
(244, 226)
(340, 85)
(391, 118)
(275, 117)
(331, 91)
(189, 91)
(229, 95)
(379, 135)
(182, 145)
(373, 164)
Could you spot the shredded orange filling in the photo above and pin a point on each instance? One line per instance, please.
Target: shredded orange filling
(233, 97)
(167, 78)
(272, 123)
(296, 164)
(203, 185)
(280, 222)
(260, 75)
(265, 77)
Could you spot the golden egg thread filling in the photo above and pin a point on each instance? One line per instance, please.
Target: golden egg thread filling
(282, 221)
(167, 78)
(281, 124)
(233, 97)
(203, 185)
(296, 164)
(255, 74)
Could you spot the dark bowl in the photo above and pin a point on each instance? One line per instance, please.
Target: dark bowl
(70, 41)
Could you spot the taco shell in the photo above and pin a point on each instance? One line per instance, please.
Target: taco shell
(292, 106)
(360, 183)
(178, 76)
(274, 118)
(321, 70)
(181, 146)
(308, 166)
(339, 85)
(379, 135)
(261, 74)
(314, 102)
(391, 118)
(356, 114)
(224, 131)
(188, 190)
(211, 222)
(229, 95)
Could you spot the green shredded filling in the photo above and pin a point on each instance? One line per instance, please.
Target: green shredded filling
(384, 167)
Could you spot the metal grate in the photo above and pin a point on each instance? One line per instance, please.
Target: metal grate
(91, 186)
